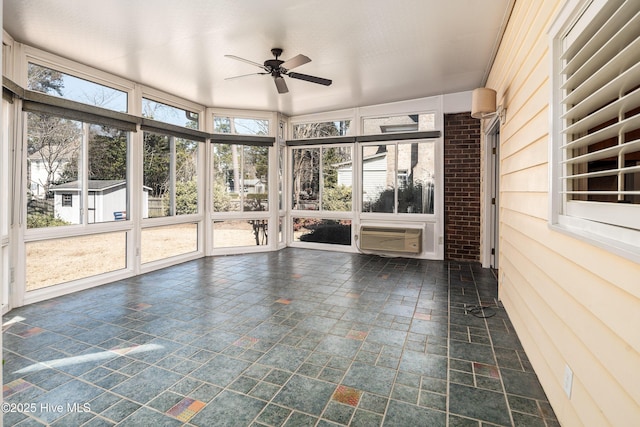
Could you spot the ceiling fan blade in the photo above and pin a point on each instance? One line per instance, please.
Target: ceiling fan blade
(245, 75)
(294, 62)
(237, 58)
(312, 79)
(281, 84)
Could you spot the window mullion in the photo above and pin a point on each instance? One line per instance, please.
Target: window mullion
(172, 175)
(83, 171)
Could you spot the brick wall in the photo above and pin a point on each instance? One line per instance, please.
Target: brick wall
(462, 187)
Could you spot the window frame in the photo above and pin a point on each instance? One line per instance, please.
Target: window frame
(401, 215)
(607, 225)
(77, 70)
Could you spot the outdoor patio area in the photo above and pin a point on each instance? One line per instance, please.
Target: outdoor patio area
(295, 337)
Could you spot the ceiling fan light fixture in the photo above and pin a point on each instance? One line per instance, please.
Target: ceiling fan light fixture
(278, 68)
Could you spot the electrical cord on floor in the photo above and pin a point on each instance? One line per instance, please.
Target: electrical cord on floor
(480, 311)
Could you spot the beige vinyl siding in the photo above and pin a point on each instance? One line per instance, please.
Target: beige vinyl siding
(571, 302)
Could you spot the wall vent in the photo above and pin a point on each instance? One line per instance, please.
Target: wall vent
(387, 239)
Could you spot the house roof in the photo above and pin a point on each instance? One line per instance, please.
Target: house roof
(94, 185)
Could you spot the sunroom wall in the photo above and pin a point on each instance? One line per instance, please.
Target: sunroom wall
(279, 220)
(573, 304)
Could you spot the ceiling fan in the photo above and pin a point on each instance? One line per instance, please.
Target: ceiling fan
(278, 68)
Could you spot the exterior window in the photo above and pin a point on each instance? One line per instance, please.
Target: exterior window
(398, 178)
(169, 114)
(402, 123)
(322, 129)
(56, 83)
(241, 182)
(240, 126)
(598, 144)
(170, 176)
(67, 160)
(322, 178)
(328, 231)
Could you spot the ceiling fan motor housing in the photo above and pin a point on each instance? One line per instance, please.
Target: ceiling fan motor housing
(273, 65)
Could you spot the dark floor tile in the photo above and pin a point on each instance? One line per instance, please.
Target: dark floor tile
(274, 415)
(148, 417)
(402, 414)
(480, 404)
(472, 352)
(146, 385)
(288, 328)
(370, 378)
(284, 357)
(305, 395)
(221, 370)
(228, 409)
(345, 347)
(58, 402)
(522, 383)
(424, 364)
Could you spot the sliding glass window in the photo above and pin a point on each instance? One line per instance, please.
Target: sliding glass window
(241, 178)
(322, 178)
(170, 176)
(398, 177)
(76, 172)
(240, 185)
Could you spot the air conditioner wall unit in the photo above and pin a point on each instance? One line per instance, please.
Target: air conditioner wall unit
(390, 239)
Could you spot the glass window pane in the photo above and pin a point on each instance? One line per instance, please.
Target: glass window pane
(306, 178)
(255, 184)
(402, 123)
(336, 232)
(226, 167)
(156, 174)
(108, 188)
(186, 177)
(281, 169)
(415, 177)
(378, 178)
(169, 114)
(258, 127)
(51, 262)
(167, 241)
(56, 83)
(337, 178)
(221, 124)
(53, 150)
(236, 233)
(322, 129)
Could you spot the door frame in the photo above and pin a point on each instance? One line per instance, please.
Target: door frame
(491, 191)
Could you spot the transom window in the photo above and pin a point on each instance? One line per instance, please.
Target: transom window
(401, 123)
(53, 82)
(322, 129)
(169, 114)
(240, 126)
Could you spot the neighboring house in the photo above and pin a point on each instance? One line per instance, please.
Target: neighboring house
(107, 201)
(374, 171)
(254, 186)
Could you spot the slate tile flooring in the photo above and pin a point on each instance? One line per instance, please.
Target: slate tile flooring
(291, 338)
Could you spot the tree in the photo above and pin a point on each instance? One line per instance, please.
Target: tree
(52, 142)
(107, 155)
(157, 161)
(45, 80)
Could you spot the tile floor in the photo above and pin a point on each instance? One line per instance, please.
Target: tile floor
(290, 338)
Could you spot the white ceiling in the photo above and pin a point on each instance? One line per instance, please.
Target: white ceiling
(375, 51)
